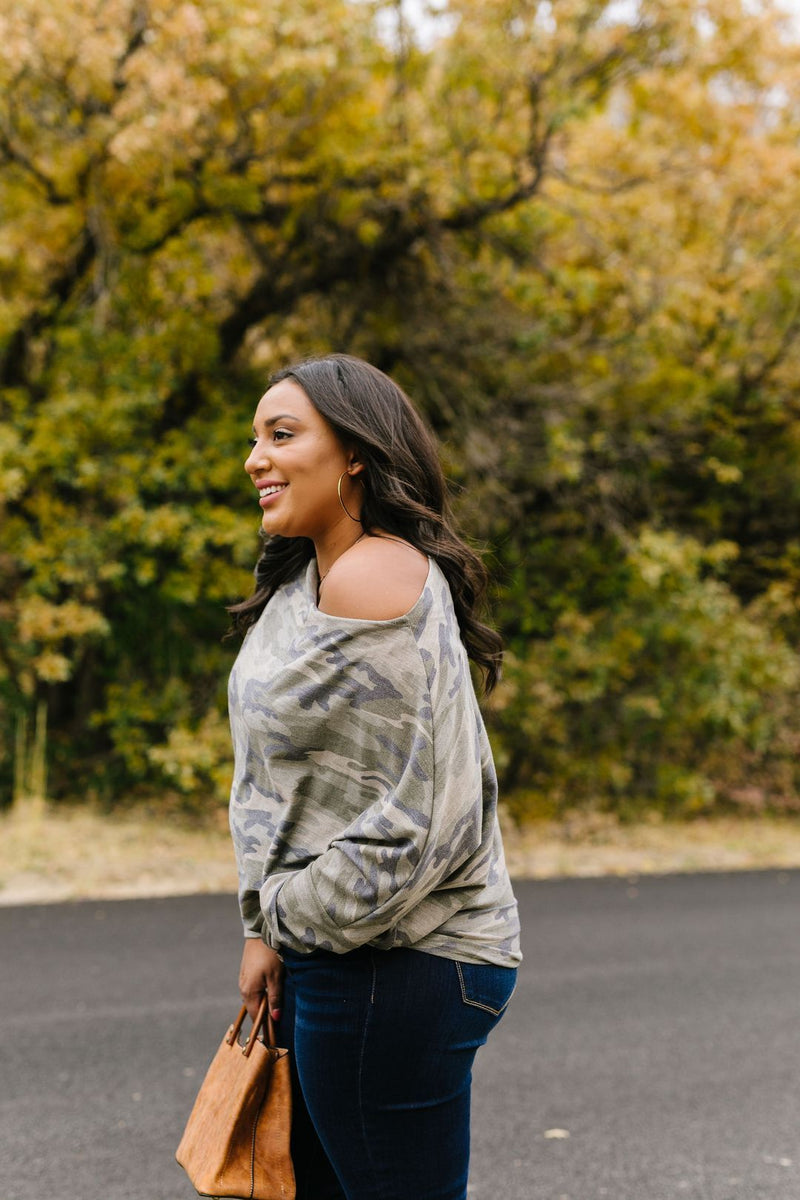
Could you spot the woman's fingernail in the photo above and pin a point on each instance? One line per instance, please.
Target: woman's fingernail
(276, 1014)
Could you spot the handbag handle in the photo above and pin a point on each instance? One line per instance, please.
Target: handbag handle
(233, 1032)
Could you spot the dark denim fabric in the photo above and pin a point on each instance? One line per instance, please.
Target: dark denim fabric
(382, 1049)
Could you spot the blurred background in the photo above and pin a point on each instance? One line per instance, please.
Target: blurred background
(570, 230)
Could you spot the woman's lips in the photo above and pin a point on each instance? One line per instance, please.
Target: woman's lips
(266, 496)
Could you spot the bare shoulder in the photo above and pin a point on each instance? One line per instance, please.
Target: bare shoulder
(377, 580)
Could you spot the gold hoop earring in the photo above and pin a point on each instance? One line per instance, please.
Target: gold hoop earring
(341, 501)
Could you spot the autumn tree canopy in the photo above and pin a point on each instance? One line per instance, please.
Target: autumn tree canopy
(569, 229)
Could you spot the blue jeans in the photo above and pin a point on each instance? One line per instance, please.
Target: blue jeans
(382, 1046)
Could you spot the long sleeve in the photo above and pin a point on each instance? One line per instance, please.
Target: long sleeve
(363, 808)
(396, 851)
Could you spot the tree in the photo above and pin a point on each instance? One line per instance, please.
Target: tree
(580, 284)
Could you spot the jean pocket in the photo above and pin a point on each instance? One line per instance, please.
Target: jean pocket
(485, 986)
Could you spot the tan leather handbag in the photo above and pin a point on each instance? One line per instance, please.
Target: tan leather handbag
(236, 1142)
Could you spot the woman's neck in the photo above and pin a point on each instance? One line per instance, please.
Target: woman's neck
(332, 549)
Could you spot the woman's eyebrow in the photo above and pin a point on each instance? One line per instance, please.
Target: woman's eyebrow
(280, 417)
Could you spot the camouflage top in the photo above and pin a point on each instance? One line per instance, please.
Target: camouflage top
(363, 807)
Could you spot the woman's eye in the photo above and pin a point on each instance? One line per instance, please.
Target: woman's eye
(278, 435)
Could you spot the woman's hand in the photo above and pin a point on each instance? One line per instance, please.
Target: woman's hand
(261, 971)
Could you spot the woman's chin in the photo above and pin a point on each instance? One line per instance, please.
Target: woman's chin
(273, 527)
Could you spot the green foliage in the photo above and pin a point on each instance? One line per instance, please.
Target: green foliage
(657, 700)
(570, 232)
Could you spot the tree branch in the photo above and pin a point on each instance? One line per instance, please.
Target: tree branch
(749, 380)
(13, 364)
(13, 154)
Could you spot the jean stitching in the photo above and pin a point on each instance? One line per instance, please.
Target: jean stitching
(476, 1003)
(367, 1147)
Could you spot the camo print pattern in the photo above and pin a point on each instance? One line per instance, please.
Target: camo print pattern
(363, 806)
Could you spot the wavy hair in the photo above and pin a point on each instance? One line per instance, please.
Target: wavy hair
(405, 494)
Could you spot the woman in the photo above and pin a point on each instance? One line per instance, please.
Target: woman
(377, 910)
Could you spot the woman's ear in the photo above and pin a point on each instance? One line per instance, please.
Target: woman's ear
(355, 465)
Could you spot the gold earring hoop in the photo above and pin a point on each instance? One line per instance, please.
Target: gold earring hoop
(341, 501)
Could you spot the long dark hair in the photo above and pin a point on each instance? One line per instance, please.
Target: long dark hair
(404, 494)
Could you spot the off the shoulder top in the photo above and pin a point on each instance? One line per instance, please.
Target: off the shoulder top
(364, 800)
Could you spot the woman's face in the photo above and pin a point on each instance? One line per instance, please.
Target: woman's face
(296, 462)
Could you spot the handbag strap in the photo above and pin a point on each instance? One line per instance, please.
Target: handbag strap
(263, 1011)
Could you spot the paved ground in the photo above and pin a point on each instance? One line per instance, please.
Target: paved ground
(656, 1024)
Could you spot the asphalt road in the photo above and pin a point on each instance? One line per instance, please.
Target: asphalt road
(655, 1023)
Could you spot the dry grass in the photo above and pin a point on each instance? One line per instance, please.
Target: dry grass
(599, 845)
(76, 853)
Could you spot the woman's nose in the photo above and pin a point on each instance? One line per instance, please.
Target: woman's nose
(256, 459)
